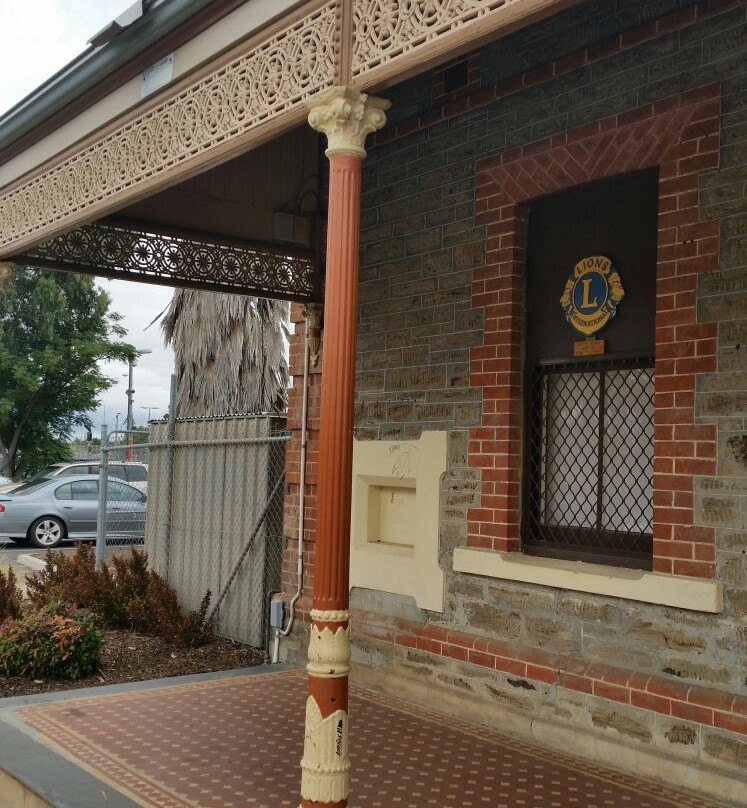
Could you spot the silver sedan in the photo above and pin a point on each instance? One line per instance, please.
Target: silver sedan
(52, 511)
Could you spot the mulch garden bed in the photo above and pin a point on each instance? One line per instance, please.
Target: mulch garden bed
(130, 657)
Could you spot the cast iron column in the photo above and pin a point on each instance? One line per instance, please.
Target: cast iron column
(346, 117)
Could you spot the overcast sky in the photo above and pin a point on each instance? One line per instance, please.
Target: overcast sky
(39, 38)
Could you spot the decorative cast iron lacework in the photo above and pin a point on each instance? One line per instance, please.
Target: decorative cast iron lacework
(590, 462)
(137, 253)
(255, 87)
(383, 30)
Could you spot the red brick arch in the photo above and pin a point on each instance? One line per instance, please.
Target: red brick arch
(681, 137)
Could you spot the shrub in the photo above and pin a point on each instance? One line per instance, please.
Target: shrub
(129, 595)
(56, 641)
(185, 630)
(10, 596)
(66, 578)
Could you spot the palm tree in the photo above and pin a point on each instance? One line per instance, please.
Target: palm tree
(230, 352)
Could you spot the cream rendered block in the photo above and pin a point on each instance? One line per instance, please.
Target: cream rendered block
(680, 591)
(395, 517)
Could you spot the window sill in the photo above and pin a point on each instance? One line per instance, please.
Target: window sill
(682, 592)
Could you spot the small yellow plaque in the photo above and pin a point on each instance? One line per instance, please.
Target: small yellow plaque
(588, 347)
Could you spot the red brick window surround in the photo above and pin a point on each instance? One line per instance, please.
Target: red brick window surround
(680, 136)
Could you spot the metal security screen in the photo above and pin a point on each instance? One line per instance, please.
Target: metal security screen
(590, 462)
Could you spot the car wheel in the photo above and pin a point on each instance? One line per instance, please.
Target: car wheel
(46, 532)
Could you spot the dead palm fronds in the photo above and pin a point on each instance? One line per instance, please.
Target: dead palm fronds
(230, 353)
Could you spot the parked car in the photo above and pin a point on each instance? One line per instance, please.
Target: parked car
(48, 512)
(134, 473)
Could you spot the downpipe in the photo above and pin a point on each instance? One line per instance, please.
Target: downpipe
(278, 629)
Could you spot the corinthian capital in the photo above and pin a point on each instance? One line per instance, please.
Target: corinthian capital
(346, 117)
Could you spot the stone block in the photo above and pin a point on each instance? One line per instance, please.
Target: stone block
(415, 355)
(436, 218)
(369, 381)
(409, 224)
(457, 448)
(405, 266)
(404, 319)
(373, 291)
(456, 682)
(727, 750)
(423, 242)
(665, 635)
(722, 511)
(722, 307)
(733, 360)
(434, 412)
(552, 634)
(448, 296)
(468, 414)
(422, 378)
(470, 320)
(731, 569)
(736, 602)
(501, 623)
(400, 412)
(677, 737)
(437, 263)
(382, 359)
(732, 453)
(523, 598)
(386, 250)
(413, 286)
(391, 305)
(457, 280)
(732, 540)
(377, 233)
(452, 535)
(720, 485)
(468, 256)
(465, 587)
(586, 608)
(628, 722)
(720, 404)
(510, 697)
(464, 236)
(692, 671)
(733, 333)
(722, 283)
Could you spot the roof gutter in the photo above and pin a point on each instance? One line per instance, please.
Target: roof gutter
(160, 18)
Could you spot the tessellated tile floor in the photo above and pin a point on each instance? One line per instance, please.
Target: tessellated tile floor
(236, 743)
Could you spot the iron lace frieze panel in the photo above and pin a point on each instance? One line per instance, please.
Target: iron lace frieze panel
(170, 259)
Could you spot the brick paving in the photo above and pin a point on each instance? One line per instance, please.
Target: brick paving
(236, 743)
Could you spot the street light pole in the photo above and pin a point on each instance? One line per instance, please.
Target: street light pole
(130, 393)
(149, 410)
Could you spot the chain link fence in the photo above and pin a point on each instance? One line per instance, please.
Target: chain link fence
(204, 498)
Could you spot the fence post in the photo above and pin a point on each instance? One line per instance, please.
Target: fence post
(170, 435)
(103, 480)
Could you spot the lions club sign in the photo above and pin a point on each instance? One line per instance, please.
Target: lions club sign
(591, 294)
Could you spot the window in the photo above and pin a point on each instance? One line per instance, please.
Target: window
(590, 461)
(137, 474)
(589, 394)
(80, 489)
(118, 492)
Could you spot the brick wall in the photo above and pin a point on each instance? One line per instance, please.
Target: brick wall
(440, 348)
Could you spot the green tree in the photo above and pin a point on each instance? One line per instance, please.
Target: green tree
(55, 327)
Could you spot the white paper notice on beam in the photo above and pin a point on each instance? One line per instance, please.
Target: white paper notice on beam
(157, 75)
